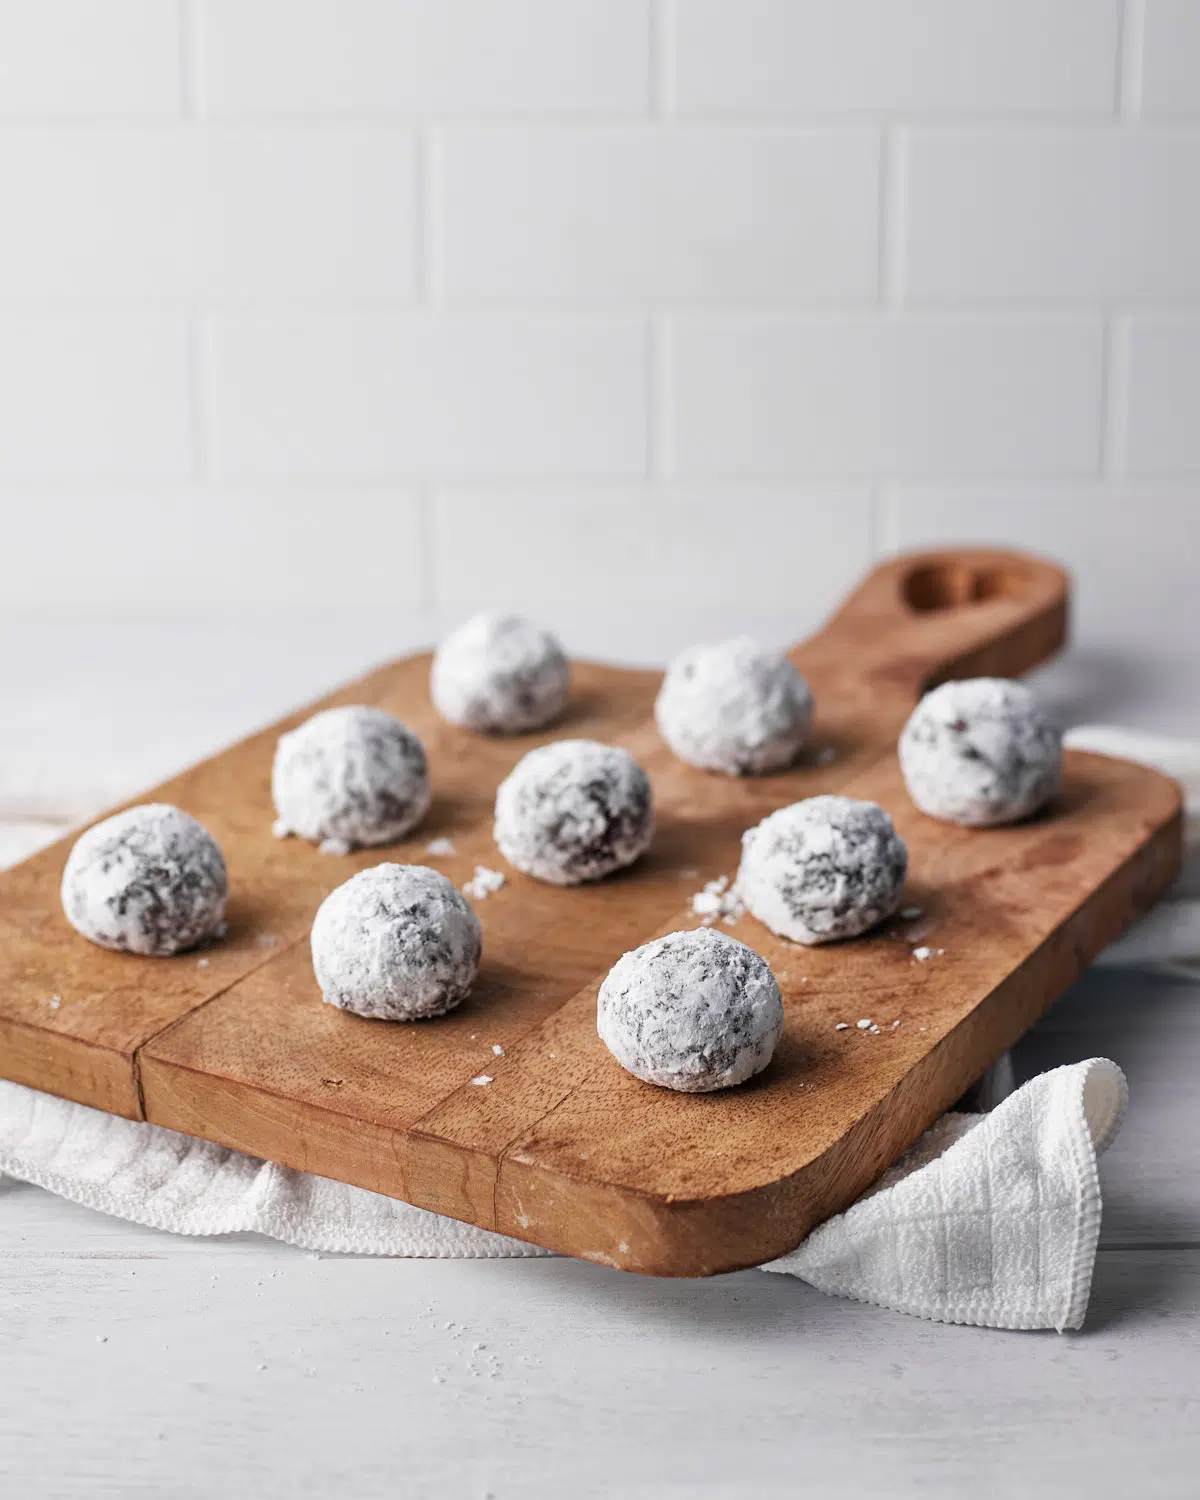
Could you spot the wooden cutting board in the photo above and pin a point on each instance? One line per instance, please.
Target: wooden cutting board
(562, 1147)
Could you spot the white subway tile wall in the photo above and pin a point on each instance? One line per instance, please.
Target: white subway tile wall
(609, 304)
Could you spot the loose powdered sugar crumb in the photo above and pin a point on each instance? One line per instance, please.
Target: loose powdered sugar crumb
(440, 846)
(334, 846)
(865, 1024)
(54, 1002)
(719, 900)
(497, 1049)
(484, 882)
(482, 1079)
(842, 1026)
(921, 954)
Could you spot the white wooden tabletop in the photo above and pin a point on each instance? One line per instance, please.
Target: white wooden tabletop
(138, 1363)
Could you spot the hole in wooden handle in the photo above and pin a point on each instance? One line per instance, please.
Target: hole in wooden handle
(950, 585)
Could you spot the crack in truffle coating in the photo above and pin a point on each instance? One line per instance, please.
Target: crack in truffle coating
(693, 1011)
(149, 880)
(736, 707)
(980, 752)
(573, 811)
(397, 943)
(355, 776)
(823, 869)
(500, 674)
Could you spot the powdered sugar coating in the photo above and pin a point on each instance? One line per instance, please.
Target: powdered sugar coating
(397, 943)
(980, 752)
(573, 811)
(735, 707)
(692, 1011)
(500, 674)
(823, 869)
(150, 880)
(350, 776)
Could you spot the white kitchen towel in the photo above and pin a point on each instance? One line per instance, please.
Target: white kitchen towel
(157, 1177)
(989, 1219)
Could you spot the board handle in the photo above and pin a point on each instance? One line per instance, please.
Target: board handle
(925, 617)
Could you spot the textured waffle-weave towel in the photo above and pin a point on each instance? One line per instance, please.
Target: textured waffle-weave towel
(989, 1219)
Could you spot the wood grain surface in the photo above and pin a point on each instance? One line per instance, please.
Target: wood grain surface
(562, 1147)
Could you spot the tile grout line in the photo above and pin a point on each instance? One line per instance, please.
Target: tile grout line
(1130, 59)
(190, 54)
(660, 52)
(780, 121)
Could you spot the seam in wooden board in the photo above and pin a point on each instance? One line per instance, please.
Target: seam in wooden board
(270, 1093)
(139, 1091)
(268, 959)
(71, 1041)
